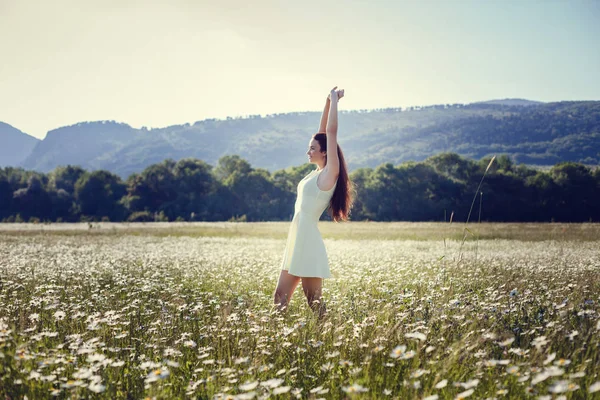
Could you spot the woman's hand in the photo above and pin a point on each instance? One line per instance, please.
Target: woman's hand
(335, 95)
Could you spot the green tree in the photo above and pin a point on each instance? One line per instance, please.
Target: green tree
(454, 166)
(578, 190)
(152, 189)
(98, 194)
(5, 195)
(364, 194)
(194, 185)
(65, 177)
(33, 200)
(227, 165)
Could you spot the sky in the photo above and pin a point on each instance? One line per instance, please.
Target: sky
(160, 63)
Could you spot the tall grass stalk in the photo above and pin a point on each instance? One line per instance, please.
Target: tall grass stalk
(478, 223)
(467, 230)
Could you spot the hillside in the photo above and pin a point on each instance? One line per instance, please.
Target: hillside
(532, 133)
(15, 145)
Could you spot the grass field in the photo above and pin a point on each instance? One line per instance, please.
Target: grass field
(184, 310)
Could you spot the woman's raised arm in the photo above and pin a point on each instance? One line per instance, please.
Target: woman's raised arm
(332, 122)
(332, 169)
(323, 125)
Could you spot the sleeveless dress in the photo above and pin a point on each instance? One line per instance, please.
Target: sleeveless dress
(305, 254)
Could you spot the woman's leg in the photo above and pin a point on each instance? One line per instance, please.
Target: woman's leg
(285, 289)
(312, 289)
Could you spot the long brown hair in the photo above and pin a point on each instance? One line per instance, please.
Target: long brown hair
(343, 197)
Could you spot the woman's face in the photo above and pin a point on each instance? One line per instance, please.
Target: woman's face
(315, 156)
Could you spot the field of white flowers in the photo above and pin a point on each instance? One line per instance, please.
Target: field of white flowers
(138, 315)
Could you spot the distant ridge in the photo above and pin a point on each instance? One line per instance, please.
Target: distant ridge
(511, 102)
(15, 145)
(530, 132)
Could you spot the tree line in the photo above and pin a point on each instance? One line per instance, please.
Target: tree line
(192, 190)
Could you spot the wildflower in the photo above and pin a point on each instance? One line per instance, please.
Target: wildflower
(282, 389)
(71, 384)
(272, 383)
(398, 351)
(542, 376)
(441, 384)
(34, 375)
(354, 388)
(464, 394)
(96, 357)
(326, 367)
(540, 341)
(241, 360)
(594, 387)
(507, 342)
(419, 372)
(416, 335)
(96, 387)
(562, 362)
(512, 370)
(149, 364)
(555, 371)
(157, 374)
(48, 378)
(562, 387)
(83, 373)
(246, 396)
(248, 386)
(59, 315)
(550, 358)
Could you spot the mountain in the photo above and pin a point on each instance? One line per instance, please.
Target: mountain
(92, 145)
(15, 145)
(535, 134)
(512, 102)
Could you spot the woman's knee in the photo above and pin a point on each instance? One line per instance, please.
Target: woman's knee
(312, 287)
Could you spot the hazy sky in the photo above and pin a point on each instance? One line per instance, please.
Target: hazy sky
(159, 63)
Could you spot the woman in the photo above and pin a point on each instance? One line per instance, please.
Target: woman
(327, 186)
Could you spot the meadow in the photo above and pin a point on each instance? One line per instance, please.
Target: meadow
(185, 310)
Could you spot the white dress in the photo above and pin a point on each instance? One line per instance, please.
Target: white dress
(305, 253)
